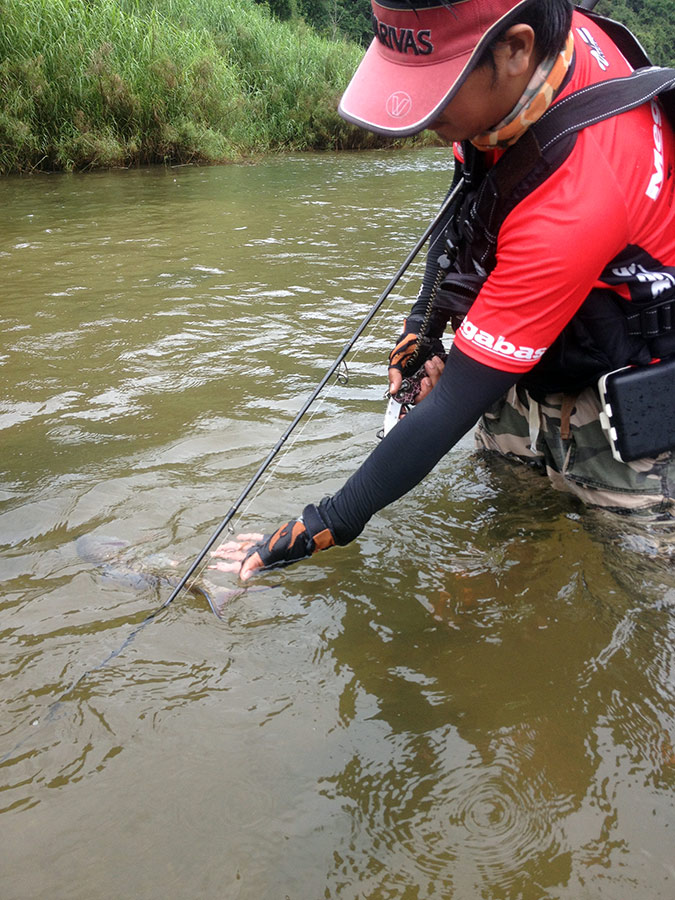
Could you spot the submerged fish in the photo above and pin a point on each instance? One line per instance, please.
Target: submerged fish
(124, 563)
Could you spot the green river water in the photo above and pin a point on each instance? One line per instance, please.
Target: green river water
(472, 701)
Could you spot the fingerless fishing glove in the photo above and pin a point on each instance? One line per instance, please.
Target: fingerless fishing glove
(411, 350)
(294, 540)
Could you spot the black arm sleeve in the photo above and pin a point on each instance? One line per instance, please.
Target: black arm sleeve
(411, 449)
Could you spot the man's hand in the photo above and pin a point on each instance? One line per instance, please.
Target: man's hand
(405, 349)
(422, 385)
(294, 540)
(400, 357)
(409, 353)
(434, 369)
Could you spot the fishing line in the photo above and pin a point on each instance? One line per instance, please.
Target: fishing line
(342, 379)
(342, 376)
(50, 713)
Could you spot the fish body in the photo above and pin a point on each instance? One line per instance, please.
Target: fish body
(121, 562)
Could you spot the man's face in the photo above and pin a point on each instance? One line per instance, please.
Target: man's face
(489, 94)
(475, 108)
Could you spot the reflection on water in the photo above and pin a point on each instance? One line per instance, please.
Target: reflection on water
(473, 700)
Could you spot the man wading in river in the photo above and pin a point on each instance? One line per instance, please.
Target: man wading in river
(554, 266)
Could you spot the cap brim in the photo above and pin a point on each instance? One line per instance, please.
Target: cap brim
(400, 100)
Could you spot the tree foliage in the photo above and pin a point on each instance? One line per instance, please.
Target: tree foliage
(651, 21)
(349, 19)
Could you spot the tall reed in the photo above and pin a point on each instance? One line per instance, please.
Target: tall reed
(116, 82)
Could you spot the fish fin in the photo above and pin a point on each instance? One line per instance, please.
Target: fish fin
(216, 596)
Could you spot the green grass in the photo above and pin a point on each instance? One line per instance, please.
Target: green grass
(88, 83)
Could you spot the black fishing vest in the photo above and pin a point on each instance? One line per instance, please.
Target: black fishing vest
(607, 332)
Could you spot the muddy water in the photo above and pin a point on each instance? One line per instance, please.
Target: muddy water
(474, 700)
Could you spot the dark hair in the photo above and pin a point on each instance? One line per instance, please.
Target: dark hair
(549, 19)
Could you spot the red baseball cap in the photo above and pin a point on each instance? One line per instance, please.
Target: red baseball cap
(421, 54)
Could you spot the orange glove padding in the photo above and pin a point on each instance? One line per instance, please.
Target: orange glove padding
(411, 351)
(404, 351)
(294, 540)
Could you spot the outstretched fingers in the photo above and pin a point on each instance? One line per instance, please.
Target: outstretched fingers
(234, 552)
(237, 548)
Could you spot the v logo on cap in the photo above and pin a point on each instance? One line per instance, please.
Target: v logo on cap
(399, 104)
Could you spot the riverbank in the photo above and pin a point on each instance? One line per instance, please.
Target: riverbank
(131, 82)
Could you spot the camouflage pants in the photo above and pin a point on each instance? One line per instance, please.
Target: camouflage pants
(563, 437)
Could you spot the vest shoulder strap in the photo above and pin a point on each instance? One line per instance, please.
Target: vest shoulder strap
(601, 101)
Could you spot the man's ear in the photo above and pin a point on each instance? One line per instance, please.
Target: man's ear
(515, 53)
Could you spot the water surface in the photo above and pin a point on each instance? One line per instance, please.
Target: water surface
(474, 700)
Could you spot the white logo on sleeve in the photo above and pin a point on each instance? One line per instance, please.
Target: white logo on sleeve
(499, 345)
(596, 51)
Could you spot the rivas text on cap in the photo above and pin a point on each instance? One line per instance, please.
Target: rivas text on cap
(420, 56)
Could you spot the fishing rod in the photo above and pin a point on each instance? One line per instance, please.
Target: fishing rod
(317, 390)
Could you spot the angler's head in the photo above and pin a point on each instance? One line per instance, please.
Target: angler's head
(456, 66)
